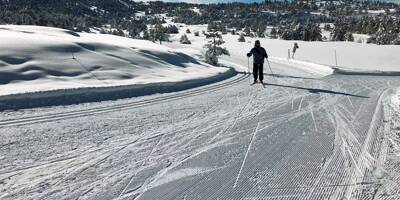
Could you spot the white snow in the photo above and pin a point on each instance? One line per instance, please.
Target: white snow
(300, 137)
(316, 13)
(196, 10)
(391, 176)
(361, 38)
(311, 139)
(350, 55)
(140, 14)
(268, 11)
(36, 58)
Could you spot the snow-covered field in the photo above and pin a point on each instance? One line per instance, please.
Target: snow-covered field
(350, 55)
(41, 58)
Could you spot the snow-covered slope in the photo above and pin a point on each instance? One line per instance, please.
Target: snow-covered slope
(41, 58)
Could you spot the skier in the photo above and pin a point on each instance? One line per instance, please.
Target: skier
(295, 47)
(258, 54)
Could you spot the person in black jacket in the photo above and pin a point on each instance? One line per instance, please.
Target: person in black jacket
(258, 54)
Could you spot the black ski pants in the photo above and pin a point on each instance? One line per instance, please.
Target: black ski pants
(258, 71)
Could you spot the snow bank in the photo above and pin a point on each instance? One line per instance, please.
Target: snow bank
(36, 59)
(95, 94)
(365, 72)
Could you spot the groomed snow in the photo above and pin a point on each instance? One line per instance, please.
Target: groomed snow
(36, 58)
(391, 174)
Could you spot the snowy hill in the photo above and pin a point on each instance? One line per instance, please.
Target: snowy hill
(41, 59)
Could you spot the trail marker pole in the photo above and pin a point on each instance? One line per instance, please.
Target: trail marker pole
(273, 75)
(336, 58)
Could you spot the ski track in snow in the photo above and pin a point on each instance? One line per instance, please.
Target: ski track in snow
(312, 138)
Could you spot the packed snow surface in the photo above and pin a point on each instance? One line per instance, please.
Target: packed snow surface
(302, 136)
(391, 173)
(40, 58)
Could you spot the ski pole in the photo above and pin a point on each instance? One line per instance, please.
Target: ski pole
(248, 66)
(273, 75)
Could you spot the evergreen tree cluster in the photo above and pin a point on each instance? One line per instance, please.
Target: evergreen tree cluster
(383, 29)
(292, 20)
(109, 16)
(306, 32)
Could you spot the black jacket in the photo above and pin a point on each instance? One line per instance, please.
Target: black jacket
(259, 54)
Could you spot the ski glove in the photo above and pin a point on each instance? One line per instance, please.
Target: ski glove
(248, 54)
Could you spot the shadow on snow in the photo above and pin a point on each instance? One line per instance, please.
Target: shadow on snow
(317, 91)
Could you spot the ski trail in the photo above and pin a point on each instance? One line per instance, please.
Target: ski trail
(143, 164)
(158, 143)
(321, 175)
(247, 152)
(292, 102)
(364, 154)
(161, 139)
(313, 118)
(351, 103)
(196, 128)
(231, 126)
(301, 101)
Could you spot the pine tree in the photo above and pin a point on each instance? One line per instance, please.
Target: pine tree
(397, 40)
(247, 31)
(273, 33)
(184, 39)
(327, 27)
(212, 27)
(338, 33)
(213, 48)
(146, 35)
(241, 38)
(157, 33)
(261, 31)
(349, 37)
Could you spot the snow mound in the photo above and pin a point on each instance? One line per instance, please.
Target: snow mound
(36, 59)
(323, 70)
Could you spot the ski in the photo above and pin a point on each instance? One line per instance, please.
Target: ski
(262, 84)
